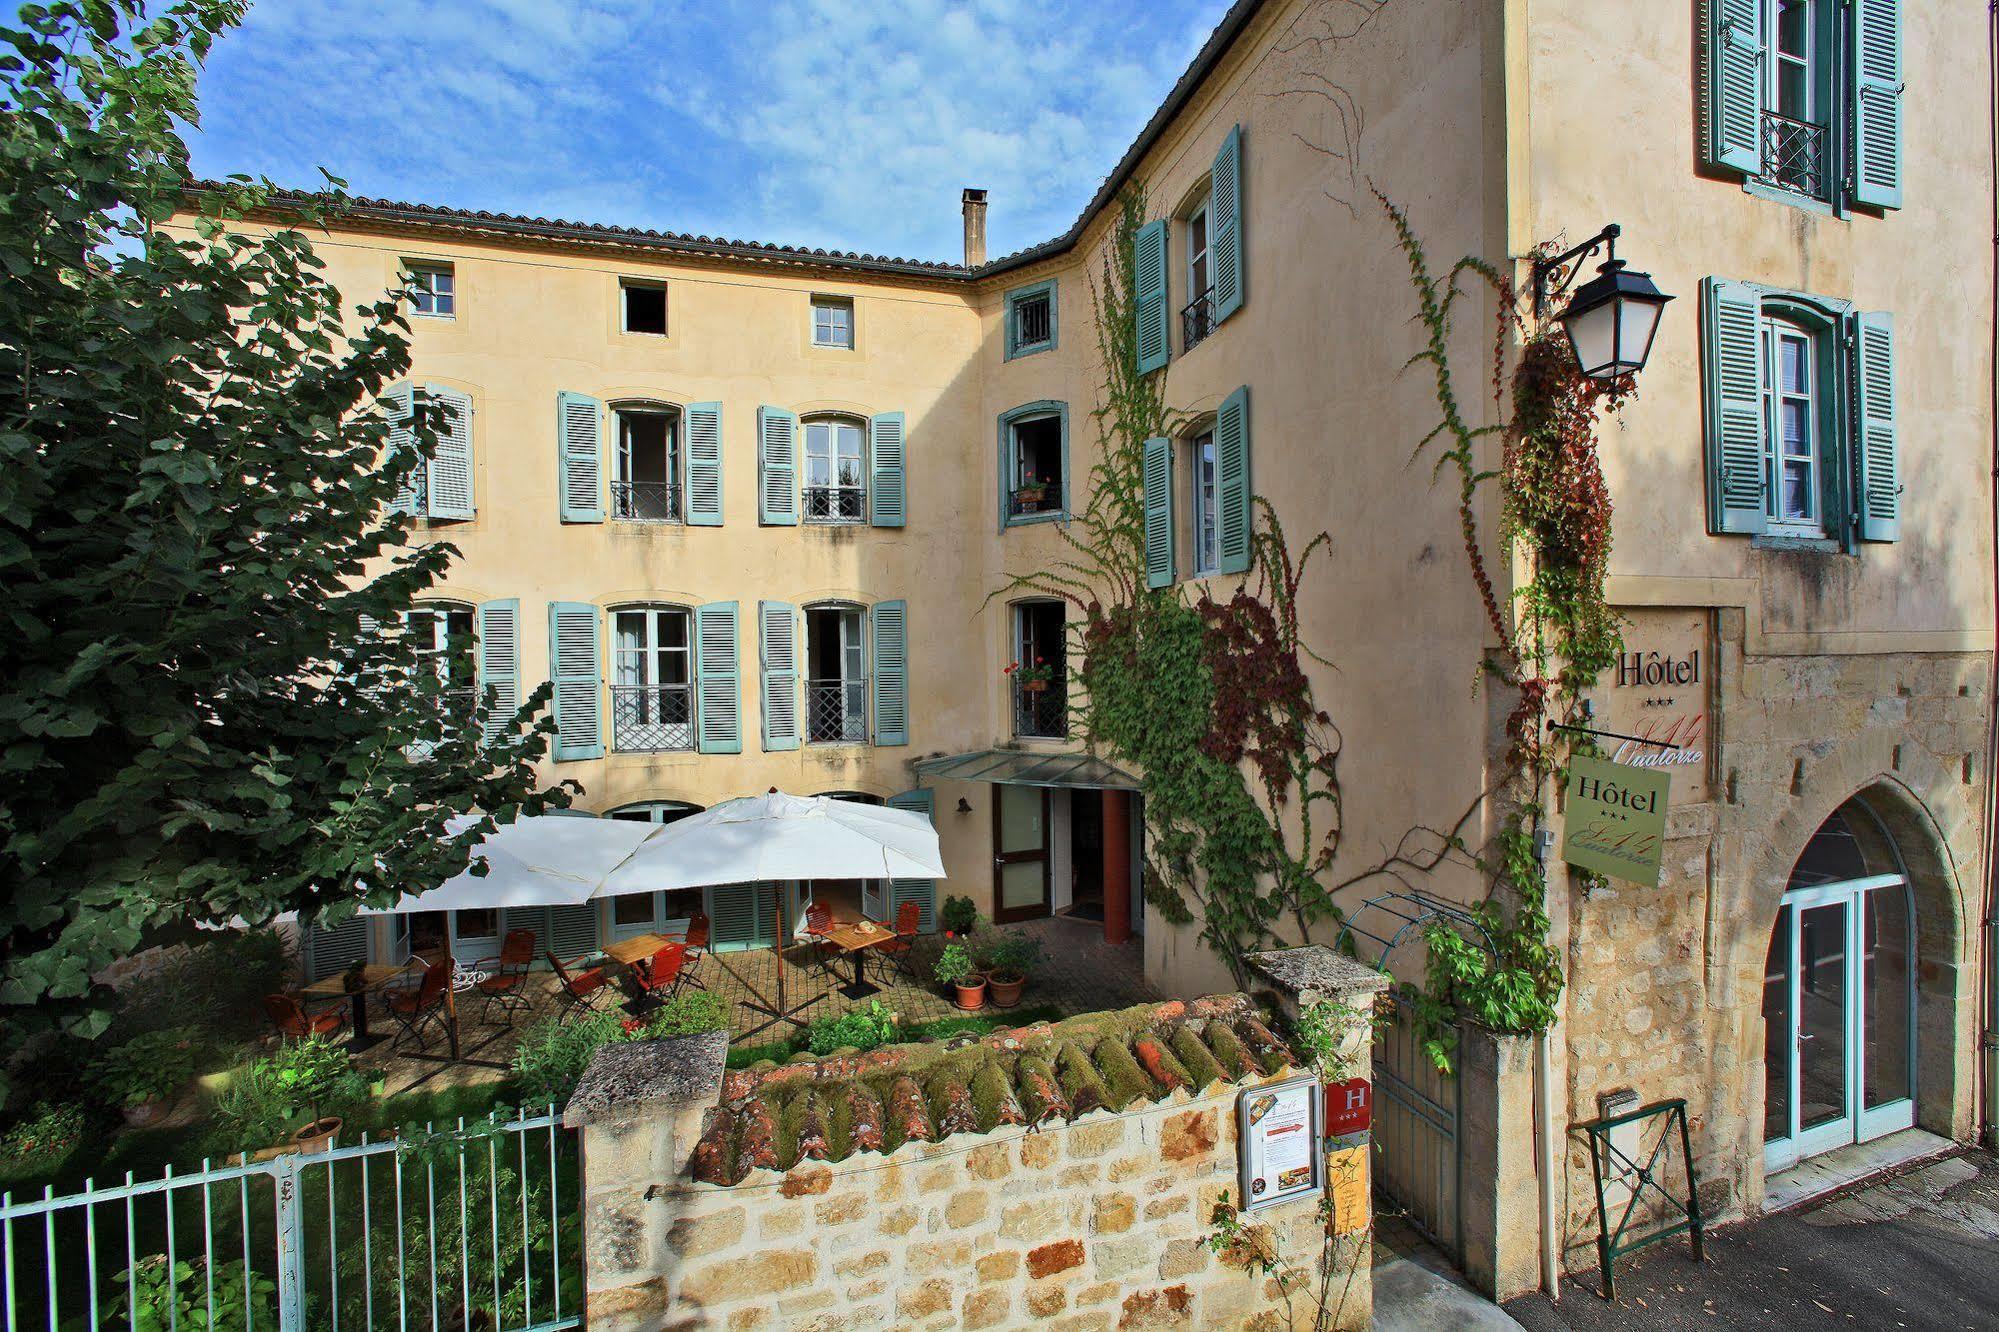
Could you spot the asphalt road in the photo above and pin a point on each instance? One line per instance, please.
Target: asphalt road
(1917, 1251)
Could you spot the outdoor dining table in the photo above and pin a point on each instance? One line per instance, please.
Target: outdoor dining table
(854, 939)
(373, 976)
(638, 948)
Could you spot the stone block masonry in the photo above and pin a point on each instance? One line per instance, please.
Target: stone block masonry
(1039, 1212)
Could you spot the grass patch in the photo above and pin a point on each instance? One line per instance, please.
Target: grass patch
(937, 1029)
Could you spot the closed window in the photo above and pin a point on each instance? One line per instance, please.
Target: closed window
(1030, 320)
(836, 489)
(1205, 521)
(645, 485)
(836, 678)
(1792, 404)
(666, 913)
(832, 322)
(652, 679)
(644, 307)
(433, 290)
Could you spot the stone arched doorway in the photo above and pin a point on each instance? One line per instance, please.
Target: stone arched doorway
(1857, 1009)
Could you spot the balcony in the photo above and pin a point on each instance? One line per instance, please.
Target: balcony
(1027, 501)
(645, 501)
(648, 719)
(1197, 319)
(1041, 713)
(1794, 155)
(836, 504)
(457, 705)
(836, 711)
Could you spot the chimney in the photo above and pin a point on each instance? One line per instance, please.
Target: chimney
(975, 228)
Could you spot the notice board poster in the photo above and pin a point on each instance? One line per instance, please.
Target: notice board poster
(1278, 1128)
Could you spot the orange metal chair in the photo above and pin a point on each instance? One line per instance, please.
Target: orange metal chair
(696, 940)
(507, 981)
(291, 1019)
(581, 991)
(896, 952)
(421, 1008)
(659, 977)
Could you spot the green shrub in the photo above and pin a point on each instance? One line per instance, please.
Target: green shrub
(861, 1028)
(178, 1297)
(552, 1054)
(1012, 953)
(958, 915)
(146, 1068)
(317, 1076)
(217, 983)
(955, 965)
(253, 1110)
(686, 1014)
(46, 1137)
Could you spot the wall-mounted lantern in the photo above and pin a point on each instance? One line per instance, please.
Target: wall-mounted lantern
(1612, 318)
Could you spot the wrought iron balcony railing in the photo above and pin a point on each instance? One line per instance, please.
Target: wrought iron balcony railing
(456, 707)
(1794, 155)
(650, 718)
(836, 711)
(645, 501)
(1041, 714)
(836, 504)
(1025, 501)
(1197, 319)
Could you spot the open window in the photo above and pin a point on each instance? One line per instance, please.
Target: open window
(1034, 478)
(1038, 674)
(836, 675)
(445, 643)
(645, 486)
(1197, 318)
(652, 681)
(643, 306)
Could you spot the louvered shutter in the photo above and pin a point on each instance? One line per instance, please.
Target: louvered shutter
(888, 500)
(330, 952)
(579, 445)
(1225, 207)
(1731, 351)
(574, 662)
(1877, 103)
(401, 403)
(500, 663)
(533, 918)
(777, 624)
(450, 470)
(1148, 289)
(741, 915)
(1875, 438)
(923, 892)
(889, 622)
(1159, 565)
(1233, 497)
(572, 930)
(777, 467)
(704, 464)
(717, 686)
(1732, 86)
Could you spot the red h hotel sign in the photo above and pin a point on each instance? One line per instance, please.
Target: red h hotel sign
(1349, 1107)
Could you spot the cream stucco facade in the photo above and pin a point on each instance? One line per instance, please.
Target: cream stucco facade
(1831, 671)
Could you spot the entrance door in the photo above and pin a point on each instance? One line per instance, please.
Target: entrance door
(1837, 1008)
(1086, 853)
(1020, 852)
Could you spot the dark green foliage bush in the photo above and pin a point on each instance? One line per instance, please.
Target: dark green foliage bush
(177, 1296)
(958, 915)
(217, 983)
(686, 1014)
(553, 1053)
(860, 1029)
(146, 1068)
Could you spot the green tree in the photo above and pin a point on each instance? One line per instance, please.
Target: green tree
(205, 708)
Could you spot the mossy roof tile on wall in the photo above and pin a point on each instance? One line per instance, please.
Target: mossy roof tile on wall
(776, 1116)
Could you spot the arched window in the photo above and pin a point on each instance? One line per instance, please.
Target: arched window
(655, 913)
(652, 679)
(1796, 383)
(836, 485)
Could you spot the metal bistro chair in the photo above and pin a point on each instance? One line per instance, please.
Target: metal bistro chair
(288, 1015)
(818, 924)
(580, 991)
(896, 953)
(657, 978)
(696, 940)
(506, 981)
(421, 1007)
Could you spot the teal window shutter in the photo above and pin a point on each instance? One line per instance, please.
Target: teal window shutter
(328, 952)
(1732, 370)
(889, 622)
(579, 443)
(777, 624)
(1875, 437)
(449, 479)
(1225, 219)
(572, 930)
(1732, 86)
(573, 657)
(777, 467)
(923, 892)
(1877, 103)
(1159, 566)
(718, 692)
(1233, 498)
(1148, 293)
(499, 663)
(703, 491)
(401, 402)
(888, 498)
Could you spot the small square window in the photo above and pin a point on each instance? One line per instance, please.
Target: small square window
(433, 290)
(645, 307)
(1030, 320)
(832, 322)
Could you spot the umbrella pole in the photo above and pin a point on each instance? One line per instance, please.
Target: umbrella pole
(781, 1011)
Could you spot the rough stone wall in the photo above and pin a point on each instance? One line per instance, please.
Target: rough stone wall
(1665, 984)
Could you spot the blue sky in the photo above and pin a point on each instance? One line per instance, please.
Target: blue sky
(849, 124)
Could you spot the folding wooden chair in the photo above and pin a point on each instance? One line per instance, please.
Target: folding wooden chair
(291, 1019)
(579, 991)
(418, 1009)
(506, 982)
(895, 953)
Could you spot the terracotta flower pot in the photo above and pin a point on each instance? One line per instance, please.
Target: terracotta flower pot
(1005, 990)
(1034, 686)
(970, 994)
(319, 1135)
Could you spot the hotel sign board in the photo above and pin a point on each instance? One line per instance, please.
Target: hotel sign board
(1615, 819)
(1278, 1127)
(1660, 689)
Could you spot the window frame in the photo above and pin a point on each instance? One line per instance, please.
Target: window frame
(432, 269)
(1009, 462)
(625, 287)
(648, 658)
(1833, 457)
(836, 421)
(833, 304)
(657, 918)
(1830, 60)
(1019, 296)
(850, 651)
(439, 649)
(1204, 559)
(676, 460)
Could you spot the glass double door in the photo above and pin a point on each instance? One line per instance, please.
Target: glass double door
(1838, 1014)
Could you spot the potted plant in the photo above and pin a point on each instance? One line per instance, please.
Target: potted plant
(1009, 960)
(1035, 678)
(959, 917)
(142, 1075)
(316, 1075)
(355, 978)
(253, 1112)
(956, 969)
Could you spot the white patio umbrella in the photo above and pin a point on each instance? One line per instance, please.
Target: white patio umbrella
(537, 860)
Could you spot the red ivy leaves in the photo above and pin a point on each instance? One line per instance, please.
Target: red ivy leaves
(1555, 492)
(1260, 689)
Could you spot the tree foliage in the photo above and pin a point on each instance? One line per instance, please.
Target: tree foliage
(195, 534)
